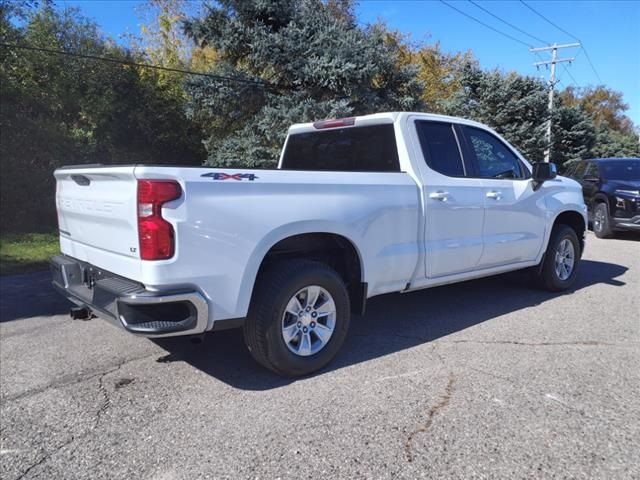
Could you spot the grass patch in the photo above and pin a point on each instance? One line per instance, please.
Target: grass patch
(27, 252)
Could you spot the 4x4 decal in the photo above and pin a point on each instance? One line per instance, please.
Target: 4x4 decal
(231, 176)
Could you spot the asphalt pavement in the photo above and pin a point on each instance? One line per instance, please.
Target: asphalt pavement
(485, 379)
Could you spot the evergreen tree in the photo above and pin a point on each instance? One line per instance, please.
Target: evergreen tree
(612, 143)
(516, 107)
(616, 134)
(573, 134)
(310, 60)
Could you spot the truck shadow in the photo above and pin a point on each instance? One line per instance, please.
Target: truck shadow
(29, 295)
(393, 322)
(628, 236)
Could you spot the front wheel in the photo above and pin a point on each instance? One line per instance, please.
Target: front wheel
(560, 264)
(299, 317)
(601, 221)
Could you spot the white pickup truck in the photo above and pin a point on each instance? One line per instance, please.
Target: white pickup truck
(358, 207)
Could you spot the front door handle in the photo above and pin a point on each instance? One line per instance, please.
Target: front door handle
(439, 195)
(494, 194)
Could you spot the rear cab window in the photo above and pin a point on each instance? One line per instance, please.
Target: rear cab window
(370, 148)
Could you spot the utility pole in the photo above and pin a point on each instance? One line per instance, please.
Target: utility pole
(552, 83)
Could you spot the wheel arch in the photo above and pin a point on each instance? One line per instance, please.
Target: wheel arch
(576, 221)
(331, 246)
(601, 197)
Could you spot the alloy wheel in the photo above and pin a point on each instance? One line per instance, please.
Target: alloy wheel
(309, 320)
(565, 259)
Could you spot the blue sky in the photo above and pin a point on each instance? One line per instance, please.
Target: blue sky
(610, 31)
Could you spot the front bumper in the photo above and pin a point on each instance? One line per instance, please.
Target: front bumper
(632, 224)
(129, 304)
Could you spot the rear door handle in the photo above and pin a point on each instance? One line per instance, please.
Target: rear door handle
(439, 195)
(494, 194)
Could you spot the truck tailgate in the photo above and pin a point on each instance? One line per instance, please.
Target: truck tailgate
(97, 211)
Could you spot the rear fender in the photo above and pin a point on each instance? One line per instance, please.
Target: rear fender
(279, 234)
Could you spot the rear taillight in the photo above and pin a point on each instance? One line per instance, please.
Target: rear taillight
(154, 232)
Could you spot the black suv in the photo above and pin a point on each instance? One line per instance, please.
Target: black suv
(611, 189)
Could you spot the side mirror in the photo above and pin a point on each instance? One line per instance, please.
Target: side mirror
(542, 172)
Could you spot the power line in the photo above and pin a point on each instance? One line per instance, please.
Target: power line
(566, 33)
(575, 82)
(485, 24)
(136, 64)
(549, 21)
(579, 52)
(586, 54)
(570, 75)
(538, 39)
(535, 51)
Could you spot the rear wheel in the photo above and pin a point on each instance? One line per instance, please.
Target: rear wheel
(560, 264)
(299, 317)
(601, 221)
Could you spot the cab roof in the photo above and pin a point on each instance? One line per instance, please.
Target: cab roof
(376, 119)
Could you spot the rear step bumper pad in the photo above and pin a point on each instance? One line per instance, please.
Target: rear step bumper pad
(129, 304)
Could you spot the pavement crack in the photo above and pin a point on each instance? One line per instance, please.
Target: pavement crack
(46, 457)
(433, 411)
(587, 343)
(106, 402)
(104, 406)
(67, 380)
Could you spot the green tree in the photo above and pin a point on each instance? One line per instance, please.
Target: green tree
(440, 72)
(59, 109)
(164, 40)
(164, 43)
(617, 136)
(574, 135)
(19, 9)
(516, 107)
(612, 143)
(309, 60)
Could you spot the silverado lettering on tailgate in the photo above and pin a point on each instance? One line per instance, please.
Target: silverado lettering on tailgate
(76, 204)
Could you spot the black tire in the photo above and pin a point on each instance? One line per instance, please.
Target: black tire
(263, 327)
(601, 221)
(547, 277)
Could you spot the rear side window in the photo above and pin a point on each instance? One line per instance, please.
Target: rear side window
(621, 169)
(570, 168)
(352, 149)
(440, 148)
(592, 170)
(580, 170)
